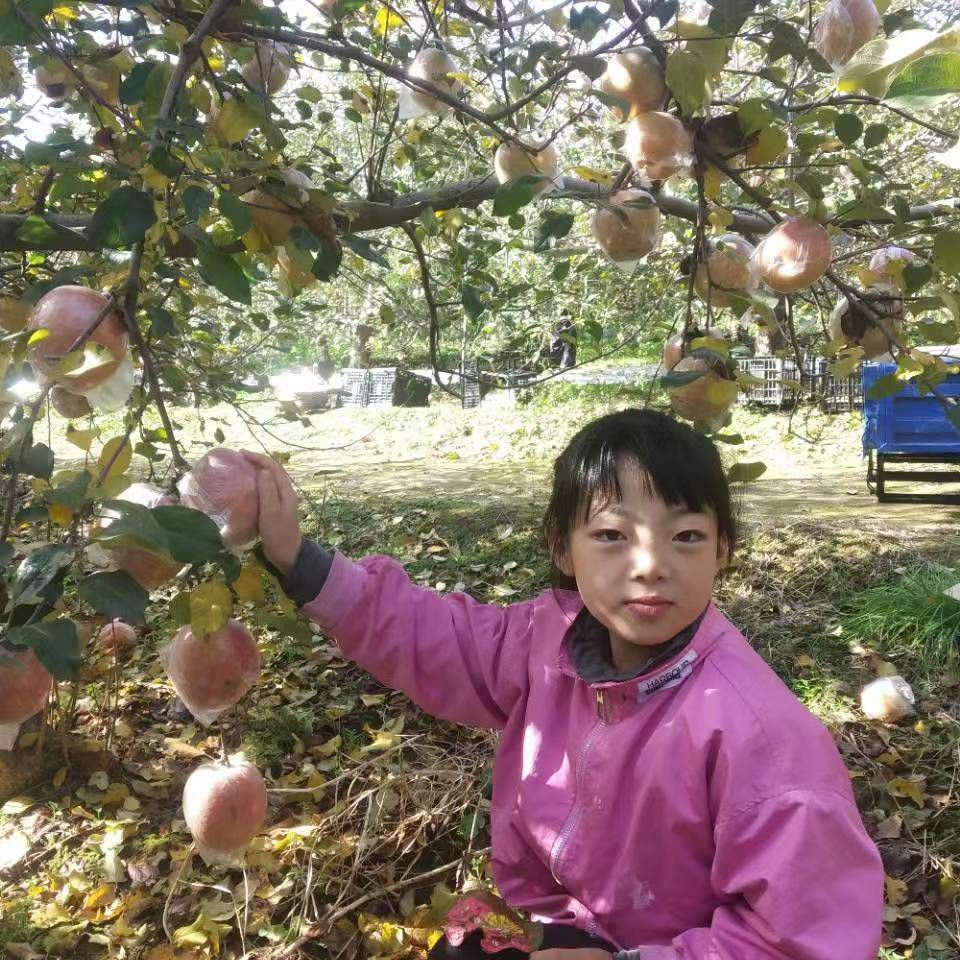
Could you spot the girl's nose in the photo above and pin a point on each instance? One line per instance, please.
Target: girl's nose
(647, 563)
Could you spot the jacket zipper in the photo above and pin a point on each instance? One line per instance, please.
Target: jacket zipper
(574, 816)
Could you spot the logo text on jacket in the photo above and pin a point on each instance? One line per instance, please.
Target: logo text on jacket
(668, 678)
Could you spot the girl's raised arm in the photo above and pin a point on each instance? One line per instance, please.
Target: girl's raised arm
(456, 658)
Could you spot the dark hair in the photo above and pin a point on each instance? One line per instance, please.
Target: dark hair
(677, 464)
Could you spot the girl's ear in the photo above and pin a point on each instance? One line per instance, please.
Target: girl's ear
(561, 560)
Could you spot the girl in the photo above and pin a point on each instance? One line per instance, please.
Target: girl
(659, 794)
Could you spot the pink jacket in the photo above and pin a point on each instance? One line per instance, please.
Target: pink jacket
(700, 812)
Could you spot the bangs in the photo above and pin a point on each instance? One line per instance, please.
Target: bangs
(663, 473)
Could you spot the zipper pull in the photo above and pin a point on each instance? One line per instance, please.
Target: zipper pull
(601, 706)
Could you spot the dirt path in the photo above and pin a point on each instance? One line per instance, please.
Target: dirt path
(842, 498)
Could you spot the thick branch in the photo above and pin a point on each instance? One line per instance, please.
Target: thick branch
(365, 216)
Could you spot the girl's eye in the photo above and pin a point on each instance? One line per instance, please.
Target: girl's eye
(691, 536)
(603, 535)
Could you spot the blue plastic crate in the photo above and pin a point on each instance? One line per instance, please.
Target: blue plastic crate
(908, 422)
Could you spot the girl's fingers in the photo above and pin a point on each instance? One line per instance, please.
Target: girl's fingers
(269, 494)
(271, 466)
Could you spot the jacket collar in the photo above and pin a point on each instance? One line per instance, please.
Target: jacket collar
(569, 603)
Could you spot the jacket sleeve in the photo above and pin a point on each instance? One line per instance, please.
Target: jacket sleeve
(455, 657)
(802, 881)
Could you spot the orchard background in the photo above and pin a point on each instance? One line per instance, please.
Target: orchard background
(199, 196)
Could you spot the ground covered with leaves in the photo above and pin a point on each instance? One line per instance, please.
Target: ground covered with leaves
(377, 812)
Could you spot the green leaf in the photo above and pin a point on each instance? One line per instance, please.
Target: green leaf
(946, 252)
(221, 270)
(916, 276)
(875, 134)
(196, 201)
(886, 386)
(472, 301)
(687, 79)
(327, 262)
(163, 160)
(162, 323)
(236, 211)
(612, 101)
(13, 30)
(72, 494)
(514, 194)
(728, 16)
(364, 248)
(553, 225)
(754, 115)
(561, 270)
(36, 230)
(126, 214)
(114, 595)
(746, 472)
(191, 536)
(38, 570)
(587, 21)
(134, 86)
(155, 87)
(680, 378)
(10, 440)
(875, 66)
(56, 645)
(135, 521)
(849, 127)
(37, 461)
(926, 79)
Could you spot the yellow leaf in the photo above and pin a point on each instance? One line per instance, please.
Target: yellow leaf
(176, 32)
(199, 96)
(896, 891)
(901, 787)
(59, 777)
(713, 183)
(594, 176)
(235, 119)
(64, 14)
(329, 748)
(210, 607)
(720, 219)
(81, 438)
(59, 514)
(117, 450)
(771, 142)
(386, 19)
(843, 368)
(722, 392)
(383, 739)
(99, 897)
(805, 661)
(249, 585)
(200, 933)
(711, 343)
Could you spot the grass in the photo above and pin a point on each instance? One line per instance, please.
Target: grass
(15, 926)
(909, 614)
(272, 733)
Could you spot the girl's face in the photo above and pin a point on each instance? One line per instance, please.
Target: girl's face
(639, 549)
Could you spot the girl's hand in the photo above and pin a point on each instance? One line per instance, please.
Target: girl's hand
(578, 953)
(279, 526)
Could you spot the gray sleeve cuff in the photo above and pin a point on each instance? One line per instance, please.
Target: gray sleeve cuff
(309, 572)
(628, 955)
